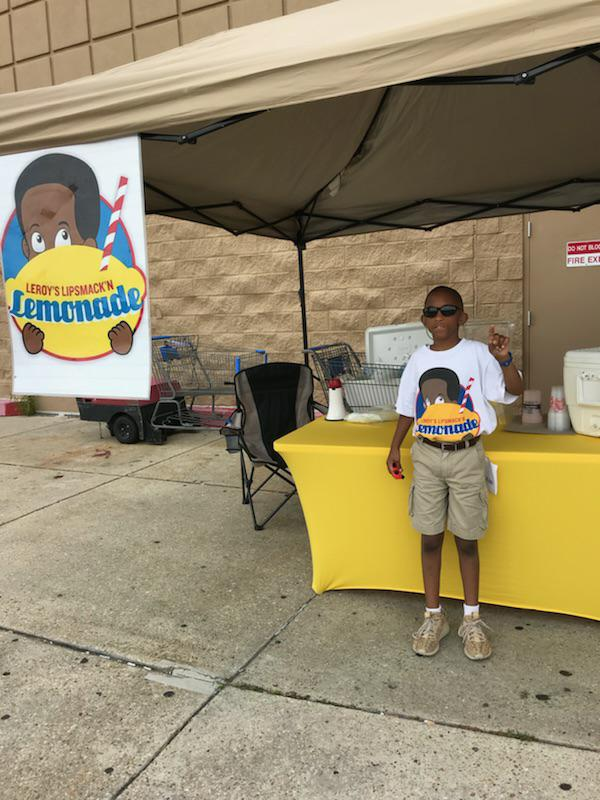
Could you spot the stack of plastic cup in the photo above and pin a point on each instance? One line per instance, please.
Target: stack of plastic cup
(558, 415)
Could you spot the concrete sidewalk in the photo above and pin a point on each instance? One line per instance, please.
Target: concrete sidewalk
(153, 646)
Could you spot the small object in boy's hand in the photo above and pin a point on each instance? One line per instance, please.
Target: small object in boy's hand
(397, 473)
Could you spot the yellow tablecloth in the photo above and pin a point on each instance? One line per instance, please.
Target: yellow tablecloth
(542, 548)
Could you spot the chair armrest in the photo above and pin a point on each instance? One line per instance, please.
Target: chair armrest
(233, 424)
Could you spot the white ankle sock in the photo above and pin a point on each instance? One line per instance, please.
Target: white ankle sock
(468, 610)
(437, 610)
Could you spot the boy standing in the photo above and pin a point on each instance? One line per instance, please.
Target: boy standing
(446, 389)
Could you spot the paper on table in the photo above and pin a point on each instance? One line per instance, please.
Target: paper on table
(491, 476)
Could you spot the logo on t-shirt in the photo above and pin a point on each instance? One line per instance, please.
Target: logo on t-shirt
(444, 408)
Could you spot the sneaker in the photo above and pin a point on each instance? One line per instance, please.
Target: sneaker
(476, 642)
(426, 641)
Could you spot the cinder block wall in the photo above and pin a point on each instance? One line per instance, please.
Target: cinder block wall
(243, 292)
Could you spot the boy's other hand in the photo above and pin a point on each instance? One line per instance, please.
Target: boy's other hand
(393, 462)
(498, 344)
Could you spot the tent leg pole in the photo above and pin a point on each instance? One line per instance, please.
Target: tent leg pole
(300, 246)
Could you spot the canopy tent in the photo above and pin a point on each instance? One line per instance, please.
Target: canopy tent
(351, 117)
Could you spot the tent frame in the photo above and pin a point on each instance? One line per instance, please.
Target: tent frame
(303, 216)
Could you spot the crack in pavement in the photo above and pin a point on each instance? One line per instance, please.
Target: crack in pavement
(101, 439)
(62, 500)
(165, 668)
(225, 684)
(61, 469)
(506, 734)
(229, 683)
(110, 478)
(172, 736)
(50, 467)
(197, 483)
(221, 683)
(41, 428)
(185, 452)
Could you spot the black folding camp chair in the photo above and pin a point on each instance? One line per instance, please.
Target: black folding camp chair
(273, 399)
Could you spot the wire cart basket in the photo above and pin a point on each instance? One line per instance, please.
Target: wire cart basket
(183, 372)
(366, 385)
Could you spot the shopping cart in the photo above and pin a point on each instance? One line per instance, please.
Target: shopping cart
(332, 360)
(183, 372)
(180, 374)
(365, 385)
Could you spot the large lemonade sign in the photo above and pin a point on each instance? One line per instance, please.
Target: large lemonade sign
(76, 318)
(74, 264)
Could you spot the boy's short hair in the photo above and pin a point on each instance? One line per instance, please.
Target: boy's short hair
(449, 377)
(67, 171)
(456, 295)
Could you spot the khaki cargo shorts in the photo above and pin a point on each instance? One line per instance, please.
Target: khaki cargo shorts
(449, 488)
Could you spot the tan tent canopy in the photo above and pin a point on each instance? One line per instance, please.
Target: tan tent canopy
(358, 132)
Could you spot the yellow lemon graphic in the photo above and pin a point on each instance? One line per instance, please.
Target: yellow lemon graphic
(446, 423)
(63, 293)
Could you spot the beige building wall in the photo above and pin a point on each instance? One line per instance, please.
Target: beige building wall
(242, 292)
(245, 291)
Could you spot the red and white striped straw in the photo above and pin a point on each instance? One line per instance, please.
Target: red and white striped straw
(466, 396)
(114, 222)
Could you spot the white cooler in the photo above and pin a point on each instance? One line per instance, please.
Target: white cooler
(395, 344)
(582, 389)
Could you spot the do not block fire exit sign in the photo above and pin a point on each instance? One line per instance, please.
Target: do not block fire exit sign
(583, 254)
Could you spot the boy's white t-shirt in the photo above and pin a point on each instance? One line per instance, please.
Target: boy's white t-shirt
(448, 392)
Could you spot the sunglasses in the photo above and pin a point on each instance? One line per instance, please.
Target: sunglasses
(447, 311)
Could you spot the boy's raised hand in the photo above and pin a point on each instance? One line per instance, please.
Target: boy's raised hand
(498, 344)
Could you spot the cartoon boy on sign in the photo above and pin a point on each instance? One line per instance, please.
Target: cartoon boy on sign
(57, 204)
(445, 408)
